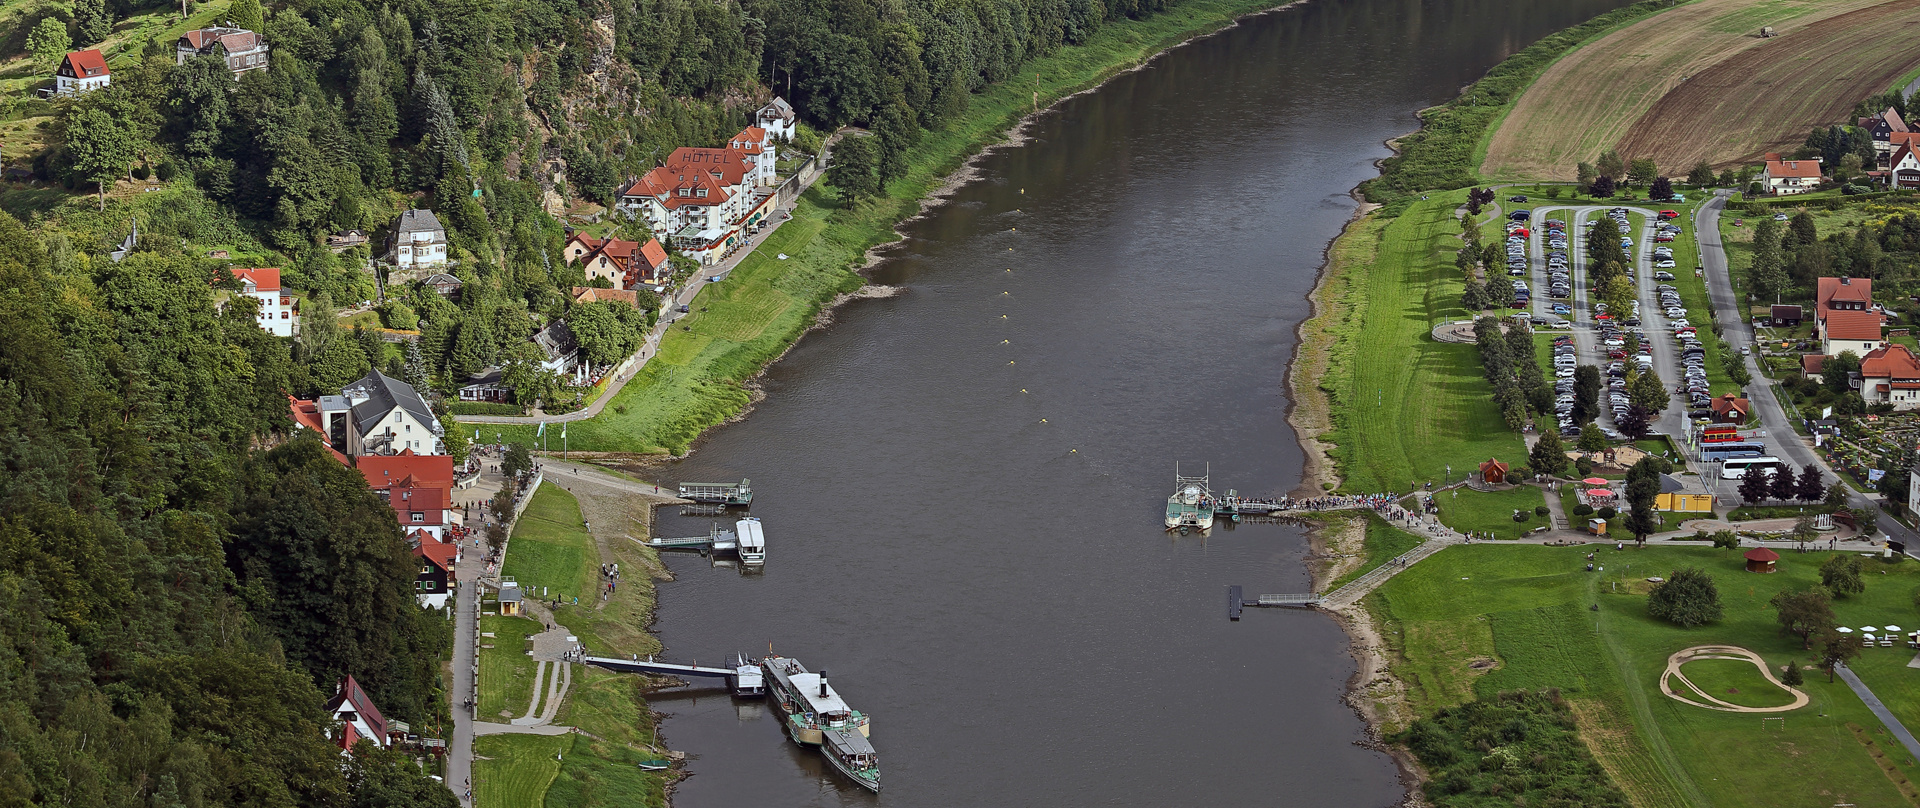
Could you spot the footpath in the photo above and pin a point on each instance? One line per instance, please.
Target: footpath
(651, 346)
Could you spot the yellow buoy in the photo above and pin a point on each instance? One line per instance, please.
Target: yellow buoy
(1003, 342)
(1003, 317)
(1023, 389)
(1009, 361)
(1043, 420)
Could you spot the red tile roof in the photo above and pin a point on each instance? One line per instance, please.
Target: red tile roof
(749, 140)
(406, 469)
(351, 696)
(1810, 364)
(1850, 290)
(1890, 362)
(306, 415)
(266, 279)
(1804, 169)
(441, 553)
(654, 254)
(1862, 325)
(87, 64)
(1730, 403)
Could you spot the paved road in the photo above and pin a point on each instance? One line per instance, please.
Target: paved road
(465, 632)
(1737, 329)
(1893, 724)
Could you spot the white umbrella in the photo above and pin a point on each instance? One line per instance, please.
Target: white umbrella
(1893, 628)
(1844, 630)
(1869, 628)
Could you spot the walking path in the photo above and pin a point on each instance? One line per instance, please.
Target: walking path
(1880, 710)
(1733, 652)
(651, 347)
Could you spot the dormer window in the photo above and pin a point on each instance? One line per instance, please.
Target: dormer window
(683, 192)
(700, 193)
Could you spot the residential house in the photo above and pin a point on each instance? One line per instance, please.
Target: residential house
(346, 240)
(353, 708)
(244, 50)
(756, 148)
(1785, 316)
(594, 294)
(1882, 126)
(1730, 409)
(1890, 374)
(1856, 331)
(81, 71)
(445, 285)
(436, 578)
(276, 303)
(486, 387)
(421, 504)
(624, 264)
(560, 351)
(418, 241)
(1812, 364)
(388, 416)
(706, 200)
(1903, 167)
(307, 417)
(1842, 294)
(1784, 177)
(777, 119)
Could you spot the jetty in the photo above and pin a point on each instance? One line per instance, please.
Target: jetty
(724, 494)
(1346, 595)
(745, 678)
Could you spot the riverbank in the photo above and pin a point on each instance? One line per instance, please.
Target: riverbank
(702, 375)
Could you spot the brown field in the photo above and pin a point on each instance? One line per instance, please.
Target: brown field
(1586, 102)
(1809, 78)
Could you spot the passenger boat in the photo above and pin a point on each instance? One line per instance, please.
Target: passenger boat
(752, 543)
(853, 755)
(1191, 506)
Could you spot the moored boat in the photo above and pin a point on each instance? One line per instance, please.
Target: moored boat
(752, 542)
(853, 755)
(815, 715)
(1191, 506)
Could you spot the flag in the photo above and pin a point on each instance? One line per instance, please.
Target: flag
(540, 431)
(563, 431)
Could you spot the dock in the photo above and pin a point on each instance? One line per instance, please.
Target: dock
(723, 494)
(745, 678)
(718, 540)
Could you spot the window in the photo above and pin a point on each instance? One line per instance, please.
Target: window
(419, 518)
(701, 193)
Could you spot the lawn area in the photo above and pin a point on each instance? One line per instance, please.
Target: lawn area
(1734, 681)
(1403, 407)
(1492, 512)
(697, 380)
(1383, 542)
(506, 672)
(596, 768)
(1526, 608)
(513, 771)
(550, 548)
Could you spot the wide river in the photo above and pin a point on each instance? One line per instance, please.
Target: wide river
(962, 485)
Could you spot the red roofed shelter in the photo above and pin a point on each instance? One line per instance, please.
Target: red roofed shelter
(1493, 471)
(1760, 559)
(1730, 409)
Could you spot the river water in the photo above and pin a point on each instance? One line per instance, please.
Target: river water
(962, 485)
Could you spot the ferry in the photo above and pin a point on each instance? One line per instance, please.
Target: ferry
(752, 543)
(816, 716)
(1191, 506)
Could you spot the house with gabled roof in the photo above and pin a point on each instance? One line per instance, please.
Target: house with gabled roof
(353, 709)
(777, 119)
(437, 559)
(276, 303)
(595, 294)
(560, 351)
(1882, 126)
(1890, 374)
(1903, 165)
(388, 416)
(419, 241)
(1856, 331)
(623, 264)
(81, 71)
(1785, 177)
(243, 50)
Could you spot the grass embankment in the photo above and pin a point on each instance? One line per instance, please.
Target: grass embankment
(738, 326)
(551, 547)
(1447, 151)
(1522, 613)
(1382, 543)
(1403, 407)
(1588, 101)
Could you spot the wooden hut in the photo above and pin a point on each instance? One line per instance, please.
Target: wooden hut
(1760, 559)
(1493, 471)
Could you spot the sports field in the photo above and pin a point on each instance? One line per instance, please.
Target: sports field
(1596, 96)
(1526, 615)
(1810, 77)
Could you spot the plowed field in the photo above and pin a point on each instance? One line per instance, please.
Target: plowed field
(1766, 98)
(1588, 101)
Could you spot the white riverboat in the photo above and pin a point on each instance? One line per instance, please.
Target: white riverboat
(752, 542)
(815, 715)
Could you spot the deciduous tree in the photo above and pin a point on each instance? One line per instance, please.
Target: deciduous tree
(102, 147)
(1811, 487)
(1701, 175)
(1840, 574)
(1803, 613)
(1641, 172)
(1687, 598)
(1662, 188)
(1549, 455)
(48, 41)
(855, 163)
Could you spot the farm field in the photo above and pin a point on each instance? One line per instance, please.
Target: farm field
(1810, 77)
(1592, 98)
(1523, 612)
(1405, 406)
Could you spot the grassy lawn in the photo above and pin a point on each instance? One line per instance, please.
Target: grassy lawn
(1492, 512)
(1404, 407)
(513, 771)
(697, 379)
(1734, 681)
(550, 548)
(1384, 542)
(1526, 608)
(506, 672)
(595, 769)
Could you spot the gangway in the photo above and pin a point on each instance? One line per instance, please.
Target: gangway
(740, 493)
(717, 540)
(744, 677)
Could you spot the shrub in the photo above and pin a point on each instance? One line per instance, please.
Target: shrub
(1541, 510)
(1583, 509)
(1584, 466)
(482, 408)
(1688, 598)
(140, 172)
(1608, 513)
(1521, 516)
(167, 170)
(1518, 748)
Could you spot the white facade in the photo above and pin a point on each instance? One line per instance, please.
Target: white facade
(419, 242)
(778, 119)
(1859, 347)
(1913, 491)
(396, 430)
(81, 71)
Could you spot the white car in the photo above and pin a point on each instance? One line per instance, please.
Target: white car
(1564, 373)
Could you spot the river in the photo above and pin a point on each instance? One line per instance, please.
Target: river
(962, 485)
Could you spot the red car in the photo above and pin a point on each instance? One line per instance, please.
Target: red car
(1667, 214)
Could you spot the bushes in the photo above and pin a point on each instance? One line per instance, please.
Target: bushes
(1517, 749)
(1583, 509)
(482, 408)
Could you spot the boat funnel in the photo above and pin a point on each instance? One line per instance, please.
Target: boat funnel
(823, 681)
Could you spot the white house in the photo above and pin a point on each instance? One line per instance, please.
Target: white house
(276, 303)
(81, 71)
(777, 118)
(386, 417)
(1784, 177)
(1903, 168)
(245, 50)
(1913, 491)
(419, 241)
(358, 718)
(758, 152)
(1891, 375)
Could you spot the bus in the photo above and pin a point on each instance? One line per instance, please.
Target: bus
(1735, 468)
(1721, 434)
(1723, 451)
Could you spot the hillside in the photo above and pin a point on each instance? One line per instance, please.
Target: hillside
(1591, 99)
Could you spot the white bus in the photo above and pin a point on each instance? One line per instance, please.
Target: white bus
(1735, 468)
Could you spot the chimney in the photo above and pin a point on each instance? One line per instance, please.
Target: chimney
(823, 681)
